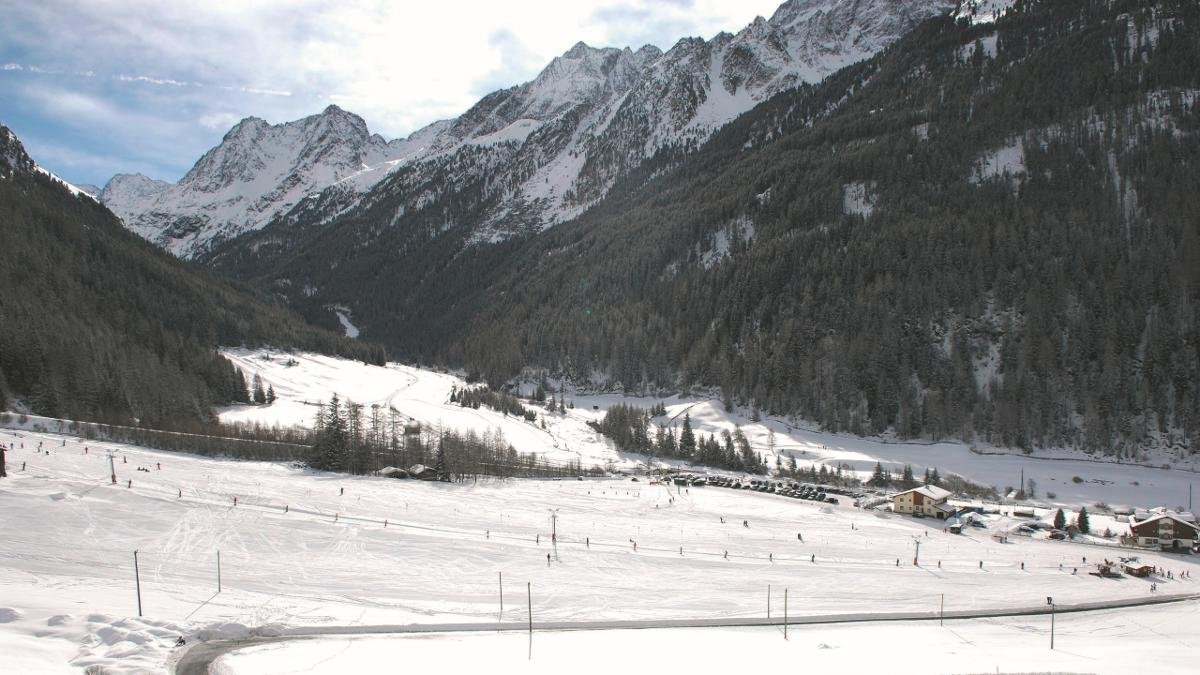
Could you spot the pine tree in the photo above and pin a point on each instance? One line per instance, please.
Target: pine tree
(1081, 521)
(1060, 520)
(270, 393)
(934, 478)
(259, 397)
(439, 466)
(243, 389)
(330, 443)
(878, 478)
(907, 481)
(687, 439)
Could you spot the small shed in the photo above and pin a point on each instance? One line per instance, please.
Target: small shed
(1137, 570)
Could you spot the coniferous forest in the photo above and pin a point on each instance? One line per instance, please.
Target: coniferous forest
(101, 326)
(985, 232)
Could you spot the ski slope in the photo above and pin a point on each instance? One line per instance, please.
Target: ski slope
(1143, 640)
(302, 549)
(303, 380)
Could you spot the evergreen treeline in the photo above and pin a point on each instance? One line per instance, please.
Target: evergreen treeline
(630, 428)
(878, 275)
(97, 324)
(350, 439)
(496, 400)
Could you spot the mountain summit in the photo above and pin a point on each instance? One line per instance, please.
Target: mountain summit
(257, 171)
(530, 156)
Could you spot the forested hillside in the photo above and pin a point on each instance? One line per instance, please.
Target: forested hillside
(985, 232)
(97, 324)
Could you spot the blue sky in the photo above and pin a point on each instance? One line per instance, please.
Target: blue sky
(95, 88)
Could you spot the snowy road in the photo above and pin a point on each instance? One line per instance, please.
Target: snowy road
(199, 657)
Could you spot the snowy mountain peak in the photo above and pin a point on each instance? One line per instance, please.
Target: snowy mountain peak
(13, 158)
(257, 172)
(131, 186)
(544, 150)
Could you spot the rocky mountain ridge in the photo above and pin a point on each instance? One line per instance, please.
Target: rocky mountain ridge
(531, 156)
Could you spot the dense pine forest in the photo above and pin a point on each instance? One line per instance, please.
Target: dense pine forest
(986, 232)
(96, 324)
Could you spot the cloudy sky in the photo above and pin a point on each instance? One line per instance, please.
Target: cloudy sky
(97, 87)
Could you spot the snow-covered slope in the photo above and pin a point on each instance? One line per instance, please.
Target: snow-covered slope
(982, 11)
(301, 381)
(310, 550)
(257, 171)
(530, 156)
(560, 142)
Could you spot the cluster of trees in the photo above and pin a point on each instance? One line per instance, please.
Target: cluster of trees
(1052, 305)
(97, 324)
(1081, 520)
(499, 401)
(842, 475)
(630, 428)
(233, 388)
(351, 439)
(883, 478)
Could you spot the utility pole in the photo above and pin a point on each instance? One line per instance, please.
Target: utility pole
(942, 611)
(554, 531)
(785, 614)
(1050, 601)
(3, 471)
(218, 570)
(917, 555)
(112, 469)
(137, 581)
(501, 596)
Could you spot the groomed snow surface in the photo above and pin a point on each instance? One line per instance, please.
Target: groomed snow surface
(303, 549)
(1145, 640)
(303, 380)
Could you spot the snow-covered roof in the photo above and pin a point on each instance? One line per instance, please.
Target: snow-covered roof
(932, 491)
(1161, 516)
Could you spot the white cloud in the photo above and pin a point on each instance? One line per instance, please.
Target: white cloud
(218, 121)
(400, 65)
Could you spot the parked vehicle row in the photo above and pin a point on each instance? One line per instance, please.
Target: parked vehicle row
(783, 488)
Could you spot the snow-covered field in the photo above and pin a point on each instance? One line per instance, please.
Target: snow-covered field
(301, 380)
(297, 551)
(1158, 639)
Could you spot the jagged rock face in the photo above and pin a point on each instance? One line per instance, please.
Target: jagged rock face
(258, 171)
(595, 114)
(536, 154)
(13, 158)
